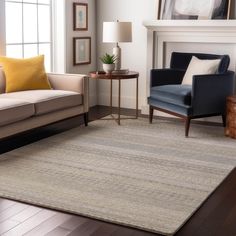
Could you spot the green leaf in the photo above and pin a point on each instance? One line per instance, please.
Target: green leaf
(108, 59)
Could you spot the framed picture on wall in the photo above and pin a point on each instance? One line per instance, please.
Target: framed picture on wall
(80, 16)
(82, 50)
(192, 9)
(159, 4)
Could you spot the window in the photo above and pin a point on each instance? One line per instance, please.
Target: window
(28, 29)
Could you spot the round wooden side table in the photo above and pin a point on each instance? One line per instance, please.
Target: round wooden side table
(231, 117)
(100, 75)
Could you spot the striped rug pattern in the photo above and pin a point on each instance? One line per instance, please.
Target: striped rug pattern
(140, 175)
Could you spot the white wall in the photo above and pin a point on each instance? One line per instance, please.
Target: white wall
(133, 54)
(70, 33)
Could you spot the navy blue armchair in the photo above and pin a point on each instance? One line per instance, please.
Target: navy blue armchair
(205, 97)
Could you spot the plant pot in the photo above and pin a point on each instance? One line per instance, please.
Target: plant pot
(108, 68)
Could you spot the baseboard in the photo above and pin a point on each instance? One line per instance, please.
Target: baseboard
(92, 100)
(158, 115)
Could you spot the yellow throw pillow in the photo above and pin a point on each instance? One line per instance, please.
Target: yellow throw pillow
(24, 74)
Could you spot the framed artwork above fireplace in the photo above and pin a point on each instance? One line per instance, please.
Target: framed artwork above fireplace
(194, 10)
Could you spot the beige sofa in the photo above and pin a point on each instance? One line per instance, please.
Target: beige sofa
(25, 110)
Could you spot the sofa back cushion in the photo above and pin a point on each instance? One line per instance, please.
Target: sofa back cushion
(24, 74)
(2, 81)
(181, 60)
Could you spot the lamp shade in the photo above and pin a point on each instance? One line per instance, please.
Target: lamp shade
(115, 32)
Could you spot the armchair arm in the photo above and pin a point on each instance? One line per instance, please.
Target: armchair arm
(209, 93)
(71, 82)
(166, 76)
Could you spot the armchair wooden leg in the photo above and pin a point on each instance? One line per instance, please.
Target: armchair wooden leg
(187, 125)
(224, 120)
(86, 119)
(150, 114)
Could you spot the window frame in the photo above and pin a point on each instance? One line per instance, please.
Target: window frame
(38, 43)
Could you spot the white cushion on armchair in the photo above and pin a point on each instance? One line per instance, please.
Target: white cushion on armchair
(200, 67)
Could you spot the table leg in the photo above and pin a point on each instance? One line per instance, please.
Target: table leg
(111, 97)
(119, 101)
(137, 98)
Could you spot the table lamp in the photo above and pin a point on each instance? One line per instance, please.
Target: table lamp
(117, 32)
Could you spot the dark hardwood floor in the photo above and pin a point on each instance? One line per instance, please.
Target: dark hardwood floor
(216, 217)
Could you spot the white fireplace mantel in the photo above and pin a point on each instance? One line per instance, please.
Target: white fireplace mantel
(160, 32)
(190, 25)
(186, 31)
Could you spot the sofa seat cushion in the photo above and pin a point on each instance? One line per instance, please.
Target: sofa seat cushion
(174, 94)
(46, 101)
(13, 110)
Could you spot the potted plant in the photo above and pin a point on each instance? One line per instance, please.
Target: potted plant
(108, 62)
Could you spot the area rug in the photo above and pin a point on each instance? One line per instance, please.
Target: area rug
(145, 176)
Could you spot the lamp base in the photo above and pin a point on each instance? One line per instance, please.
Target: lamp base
(117, 53)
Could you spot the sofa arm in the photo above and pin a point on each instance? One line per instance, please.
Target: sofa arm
(71, 82)
(166, 76)
(209, 92)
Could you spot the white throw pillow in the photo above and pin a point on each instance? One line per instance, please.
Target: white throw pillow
(200, 67)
